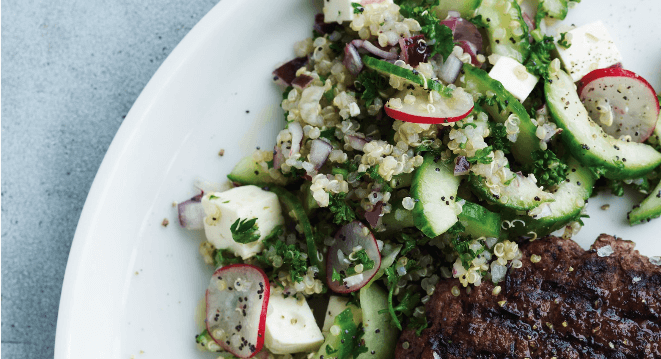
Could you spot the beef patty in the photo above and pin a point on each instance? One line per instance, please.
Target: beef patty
(571, 304)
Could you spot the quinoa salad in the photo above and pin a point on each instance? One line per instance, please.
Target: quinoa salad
(422, 140)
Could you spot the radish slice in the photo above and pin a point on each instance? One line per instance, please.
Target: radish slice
(296, 137)
(319, 151)
(621, 102)
(237, 299)
(422, 110)
(191, 213)
(351, 238)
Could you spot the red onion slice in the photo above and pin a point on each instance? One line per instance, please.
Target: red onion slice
(373, 49)
(449, 71)
(321, 26)
(461, 166)
(466, 34)
(319, 151)
(296, 137)
(285, 74)
(278, 157)
(414, 50)
(352, 60)
(357, 143)
(302, 81)
(348, 239)
(191, 213)
(373, 216)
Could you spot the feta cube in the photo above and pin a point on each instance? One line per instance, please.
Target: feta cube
(591, 48)
(222, 209)
(290, 326)
(514, 77)
(338, 10)
(337, 305)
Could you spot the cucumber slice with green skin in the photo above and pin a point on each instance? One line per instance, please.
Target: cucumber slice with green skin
(507, 32)
(522, 194)
(435, 189)
(380, 336)
(555, 9)
(479, 221)
(294, 207)
(249, 171)
(476, 80)
(340, 346)
(570, 198)
(386, 69)
(648, 209)
(466, 8)
(588, 142)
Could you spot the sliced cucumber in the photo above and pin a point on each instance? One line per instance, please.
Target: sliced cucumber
(380, 336)
(648, 209)
(555, 9)
(479, 221)
(465, 7)
(435, 189)
(340, 346)
(386, 69)
(570, 198)
(521, 194)
(587, 141)
(249, 171)
(309, 203)
(478, 81)
(508, 33)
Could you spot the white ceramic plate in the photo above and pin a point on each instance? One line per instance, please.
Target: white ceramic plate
(131, 285)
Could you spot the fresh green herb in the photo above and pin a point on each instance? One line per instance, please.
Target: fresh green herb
(342, 211)
(361, 258)
(481, 156)
(408, 302)
(439, 37)
(330, 94)
(368, 84)
(461, 245)
(547, 168)
(563, 41)
(357, 8)
(361, 346)
(328, 134)
(498, 138)
(340, 171)
(280, 256)
(492, 101)
(335, 277)
(373, 173)
(479, 22)
(213, 197)
(316, 34)
(409, 243)
(616, 187)
(540, 54)
(203, 338)
(245, 230)
(419, 324)
(337, 47)
(285, 94)
(541, 12)
(224, 257)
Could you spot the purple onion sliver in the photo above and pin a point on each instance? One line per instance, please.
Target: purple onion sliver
(449, 71)
(461, 166)
(323, 27)
(191, 213)
(352, 60)
(302, 81)
(379, 52)
(356, 142)
(319, 151)
(287, 72)
(373, 216)
(278, 157)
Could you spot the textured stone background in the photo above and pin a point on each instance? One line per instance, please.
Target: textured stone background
(71, 70)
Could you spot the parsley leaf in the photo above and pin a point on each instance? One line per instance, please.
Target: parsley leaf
(616, 187)
(540, 54)
(435, 33)
(563, 41)
(361, 258)
(245, 230)
(547, 168)
(481, 156)
(342, 211)
(498, 138)
(280, 256)
(479, 22)
(357, 8)
(373, 172)
(419, 324)
(368, 84)
(408, 302)
(223, 257)
(461, 245)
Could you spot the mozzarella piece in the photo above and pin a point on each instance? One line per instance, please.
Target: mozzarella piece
(514, 77)
(338, 10)
(290, 326)
(222, 209)
(591, 48)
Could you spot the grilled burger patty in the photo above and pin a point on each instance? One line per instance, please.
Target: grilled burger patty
(571, 304)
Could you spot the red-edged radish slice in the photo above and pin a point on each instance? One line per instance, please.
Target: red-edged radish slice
(349, 240)
(421, 106)
(621, 102)
(237, 299)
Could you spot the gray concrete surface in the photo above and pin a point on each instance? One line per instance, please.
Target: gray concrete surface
(71, 69)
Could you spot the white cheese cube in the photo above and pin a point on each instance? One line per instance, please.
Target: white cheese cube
(338, 10)
(514, 77)
(290, 326)
(337, 305)
(222, 209)
(591, 48)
